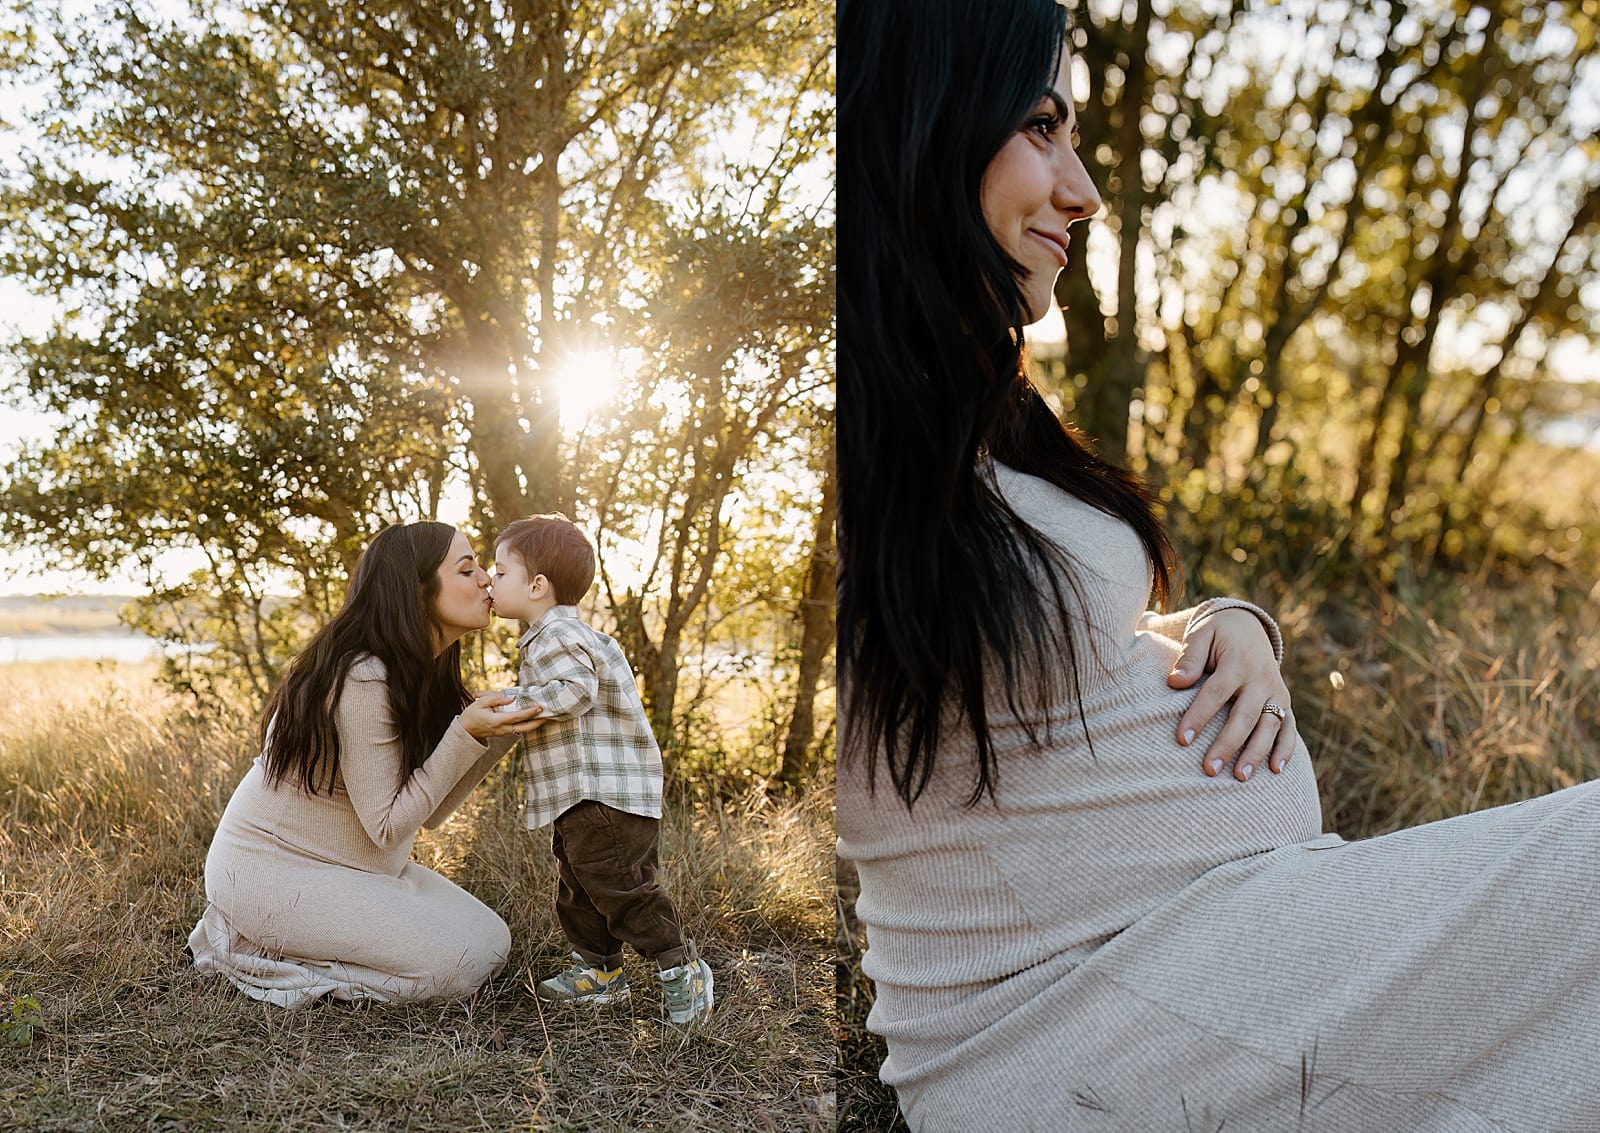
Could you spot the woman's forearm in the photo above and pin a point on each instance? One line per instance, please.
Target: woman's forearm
(498, 746)
(1178, 623)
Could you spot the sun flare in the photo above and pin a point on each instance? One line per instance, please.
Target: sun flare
(586, 381)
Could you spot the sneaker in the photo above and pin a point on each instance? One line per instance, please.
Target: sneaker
(582, 983)
(686, 991)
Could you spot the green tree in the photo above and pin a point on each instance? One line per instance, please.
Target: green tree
(316, 261)
(1360, 228)
(739, 335)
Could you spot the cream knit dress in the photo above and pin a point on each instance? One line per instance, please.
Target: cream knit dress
(1119, 942)
(313, 895)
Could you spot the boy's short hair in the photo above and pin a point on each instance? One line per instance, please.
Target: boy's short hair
(553, 546)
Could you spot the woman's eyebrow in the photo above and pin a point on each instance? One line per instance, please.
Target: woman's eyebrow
(467, 559)
(1063, 108)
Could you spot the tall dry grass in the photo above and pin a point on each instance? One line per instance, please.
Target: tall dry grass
(1432, 698)
(109, 793)
(1417, 710)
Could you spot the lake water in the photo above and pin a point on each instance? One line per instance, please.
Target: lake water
(109, 647)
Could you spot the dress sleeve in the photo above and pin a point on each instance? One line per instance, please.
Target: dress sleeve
(498, 746)
(1170, 624)
(1180, 624)
(370, 761)
(559, 675)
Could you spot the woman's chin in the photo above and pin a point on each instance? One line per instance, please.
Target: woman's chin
(1040, 303)
(478, 624)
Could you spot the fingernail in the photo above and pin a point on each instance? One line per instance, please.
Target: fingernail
(1244, 772)
(1188, 736)
(1214, 766)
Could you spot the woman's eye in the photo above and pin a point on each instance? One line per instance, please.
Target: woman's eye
(1045, 125)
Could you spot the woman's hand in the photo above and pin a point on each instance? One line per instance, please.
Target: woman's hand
(1232, 647)
(481, 720)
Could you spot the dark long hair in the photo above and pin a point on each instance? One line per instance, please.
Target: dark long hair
(939, 578)
(388, 613)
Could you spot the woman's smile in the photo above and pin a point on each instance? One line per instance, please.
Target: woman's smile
(1056, 244)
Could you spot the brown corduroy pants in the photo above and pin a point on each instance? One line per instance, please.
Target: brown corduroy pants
(607, 894)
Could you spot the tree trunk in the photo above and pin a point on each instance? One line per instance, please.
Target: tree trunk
(1086, 334)
(661, 687)
(494, 442)
(816, 633)
(1414, 360)
(1204, 387)
(1269, 411)
(1119, 373)
(1080, 305)
(1126, 370)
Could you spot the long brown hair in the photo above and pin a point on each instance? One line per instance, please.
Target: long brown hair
(387, 614)
(936, 581)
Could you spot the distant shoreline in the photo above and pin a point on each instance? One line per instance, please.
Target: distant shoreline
(116, 630)
(34, 616)
(45, 648)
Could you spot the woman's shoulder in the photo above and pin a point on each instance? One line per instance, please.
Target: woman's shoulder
(1015, 484)
(1093, 536)
(366, 667)
(1034, 498)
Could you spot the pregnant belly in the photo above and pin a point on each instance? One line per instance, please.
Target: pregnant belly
(1092, 840)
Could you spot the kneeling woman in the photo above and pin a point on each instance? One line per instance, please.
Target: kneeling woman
(369, 737)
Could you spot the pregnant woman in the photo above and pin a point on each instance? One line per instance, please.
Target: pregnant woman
(370, 736)
(1075, 919)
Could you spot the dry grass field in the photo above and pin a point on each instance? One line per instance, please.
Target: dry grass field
(109, 793)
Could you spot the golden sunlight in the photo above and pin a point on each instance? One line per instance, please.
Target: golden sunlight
(585, 382)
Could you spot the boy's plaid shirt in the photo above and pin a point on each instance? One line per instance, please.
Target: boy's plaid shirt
(598, 745)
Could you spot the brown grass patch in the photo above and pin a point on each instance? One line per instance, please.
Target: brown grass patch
(110, 792)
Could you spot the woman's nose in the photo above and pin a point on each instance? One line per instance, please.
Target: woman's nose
(1075, 193)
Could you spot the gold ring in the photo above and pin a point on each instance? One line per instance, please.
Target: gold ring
(1275, 709)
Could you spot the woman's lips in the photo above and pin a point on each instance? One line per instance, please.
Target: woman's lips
(1057, 244)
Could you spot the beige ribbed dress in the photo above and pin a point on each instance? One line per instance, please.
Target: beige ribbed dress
(1123, 943)
(315, 895)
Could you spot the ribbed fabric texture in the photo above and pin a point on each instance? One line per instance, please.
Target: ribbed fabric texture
(1118, 941)
(315, 894)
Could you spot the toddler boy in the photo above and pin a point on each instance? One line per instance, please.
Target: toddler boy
(594, 775)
